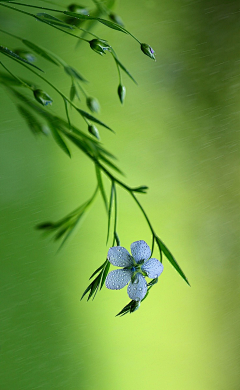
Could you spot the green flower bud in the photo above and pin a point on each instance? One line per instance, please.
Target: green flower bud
(94, 131)
(146, 49)
(25, 54)
(121, 92)
(93, 104)
(42, 97)
(115, 18)
(78, 9)
(99, 46)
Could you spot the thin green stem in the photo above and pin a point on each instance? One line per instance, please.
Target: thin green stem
(115, 214)
(83, 90)
(118, 67)
(11, 35)
(55, 88)
(17, 78)
(41, 20)
(144, 213)
(65, 13)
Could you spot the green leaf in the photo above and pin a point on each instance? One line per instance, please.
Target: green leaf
(110, 209)
(170, 257)
(100, 184)
(74, 73)
(104, 274)
(59, 139)
(93, 119)
(99, 269)
(39, 50)
(11, 54)
(43, 17)
(8, 79)
(34, 125)
(107, 23)
(124, 69)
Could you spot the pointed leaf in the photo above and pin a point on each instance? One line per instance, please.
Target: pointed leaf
(39, 50)
(11, 54)
(110, 209)
(124, 69)
(59, 139)
(170, 257)
(74, 73)
(100, 184)
(104, 275)
(93, 119)
(43, 17)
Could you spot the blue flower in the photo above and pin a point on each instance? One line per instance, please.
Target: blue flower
(135, 268)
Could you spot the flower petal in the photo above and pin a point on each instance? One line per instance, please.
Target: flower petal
(153, 268)
(119, 256)
(138, 289)
(140, 250)
(118, 279)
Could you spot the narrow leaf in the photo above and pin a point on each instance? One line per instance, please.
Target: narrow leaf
(104, 275)
(110, 209)
(124, 69)
(39, 50)
(11, 54)
(100, 184)
(59, 139)
(34, 125)
(93, 119)
(170, 257)
(43, 17)
(74, 73)
(97, 270)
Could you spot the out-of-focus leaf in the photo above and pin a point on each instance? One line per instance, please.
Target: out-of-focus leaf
(74, 73)
(34, 125)
(11, 54)
(43, 17)
(39, 50)
(59, 139)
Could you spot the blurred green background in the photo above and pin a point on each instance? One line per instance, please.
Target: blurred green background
(178, 133)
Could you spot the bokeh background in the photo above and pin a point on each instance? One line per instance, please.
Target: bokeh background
(178, 133)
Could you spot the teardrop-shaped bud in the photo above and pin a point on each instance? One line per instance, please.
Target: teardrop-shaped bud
(148, 50)
(121, 92)
(100, 46)
(42, 97)
(78, 9)
(93, 104)
(116, 19)
(25, 54)
(94, 131)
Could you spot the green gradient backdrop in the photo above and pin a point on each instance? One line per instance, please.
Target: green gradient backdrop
(178, 132)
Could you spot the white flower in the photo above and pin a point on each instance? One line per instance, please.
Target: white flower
(135, 268)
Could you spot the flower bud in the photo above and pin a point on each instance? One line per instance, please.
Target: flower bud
(93, 104)
(78, 9)
(25, 54)
(116, 19)
(42, 97)
(121, 92)
(94, 131)
(99, 46)
(146, 49)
